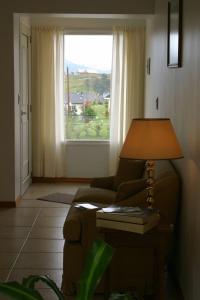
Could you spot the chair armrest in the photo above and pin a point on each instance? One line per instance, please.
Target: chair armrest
(80, 226)
(103, 182)
(130, 188)
(72, 227)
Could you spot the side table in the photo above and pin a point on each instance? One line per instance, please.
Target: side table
(157, 239)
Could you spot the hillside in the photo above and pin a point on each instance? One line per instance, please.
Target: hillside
(88, 82)
(76, 68)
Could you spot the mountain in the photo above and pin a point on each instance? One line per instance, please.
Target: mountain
(75, 68)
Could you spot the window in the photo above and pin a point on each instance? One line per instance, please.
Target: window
(87, 75)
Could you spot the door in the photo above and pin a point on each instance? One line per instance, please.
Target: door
(25, 106)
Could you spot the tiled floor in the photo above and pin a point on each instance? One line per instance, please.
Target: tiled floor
(31, 240)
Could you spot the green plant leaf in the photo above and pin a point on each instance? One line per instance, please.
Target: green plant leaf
(17, 291)
(97, 261)
(31, 280)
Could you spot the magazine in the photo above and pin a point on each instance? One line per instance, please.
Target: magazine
(135, 215)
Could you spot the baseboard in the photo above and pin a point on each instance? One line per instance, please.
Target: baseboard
(60, 180)
(10, 204)
(7, 204)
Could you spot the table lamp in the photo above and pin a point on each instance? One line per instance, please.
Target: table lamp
(151, 139)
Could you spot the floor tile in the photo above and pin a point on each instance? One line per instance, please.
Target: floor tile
(41, 189)
(96, 297)
(14, 232)
(55, 212)
(48, 294)
(40, 261)
(46, 233)
(40, 245)
(50, 222)
(40, 203)
(19, 211)
(17, 220)
(19, 274)
(7, 259)
(11, 245)
(3, 274)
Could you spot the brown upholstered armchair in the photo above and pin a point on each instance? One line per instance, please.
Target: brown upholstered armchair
(130, 266)
(128, 181)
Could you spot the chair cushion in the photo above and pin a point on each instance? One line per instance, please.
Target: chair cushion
(128, 169)
(95, 195)
(129, 188)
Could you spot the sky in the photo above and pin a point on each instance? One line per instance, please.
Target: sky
(93, 51)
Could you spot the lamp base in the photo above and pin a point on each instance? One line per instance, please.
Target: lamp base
(150, 168)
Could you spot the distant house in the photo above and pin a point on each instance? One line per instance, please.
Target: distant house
(78, 100)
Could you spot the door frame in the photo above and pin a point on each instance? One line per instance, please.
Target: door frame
(25, 183)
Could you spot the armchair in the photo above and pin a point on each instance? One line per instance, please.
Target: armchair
(128, 180)
(130, 266)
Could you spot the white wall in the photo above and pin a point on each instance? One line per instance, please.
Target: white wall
(81, 7)
(86, 160)
(85, 21)
(178, 91)
(7, 147)
(8, 134)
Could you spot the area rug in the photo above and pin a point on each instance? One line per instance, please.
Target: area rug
(58, 197)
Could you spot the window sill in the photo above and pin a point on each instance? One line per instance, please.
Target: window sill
(86, 143)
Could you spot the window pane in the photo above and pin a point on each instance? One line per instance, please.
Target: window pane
(87, 74)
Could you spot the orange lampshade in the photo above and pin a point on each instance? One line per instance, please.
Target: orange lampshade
(151, 139)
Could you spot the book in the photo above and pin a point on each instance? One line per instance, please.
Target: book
(126, 226)
(122, 209)
(85, 205)
(135, 215)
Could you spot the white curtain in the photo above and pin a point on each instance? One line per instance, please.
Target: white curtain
(47, 102)
(127, 87)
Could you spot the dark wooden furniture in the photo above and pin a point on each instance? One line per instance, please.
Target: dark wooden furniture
(157, 239)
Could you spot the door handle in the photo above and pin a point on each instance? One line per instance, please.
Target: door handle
(23, 113)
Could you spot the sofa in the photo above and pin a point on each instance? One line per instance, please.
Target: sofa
(129, 266)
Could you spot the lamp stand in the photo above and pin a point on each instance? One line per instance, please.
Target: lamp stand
(150, 168)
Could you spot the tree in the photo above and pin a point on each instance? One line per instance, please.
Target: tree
(88, 112)
(102, 84)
